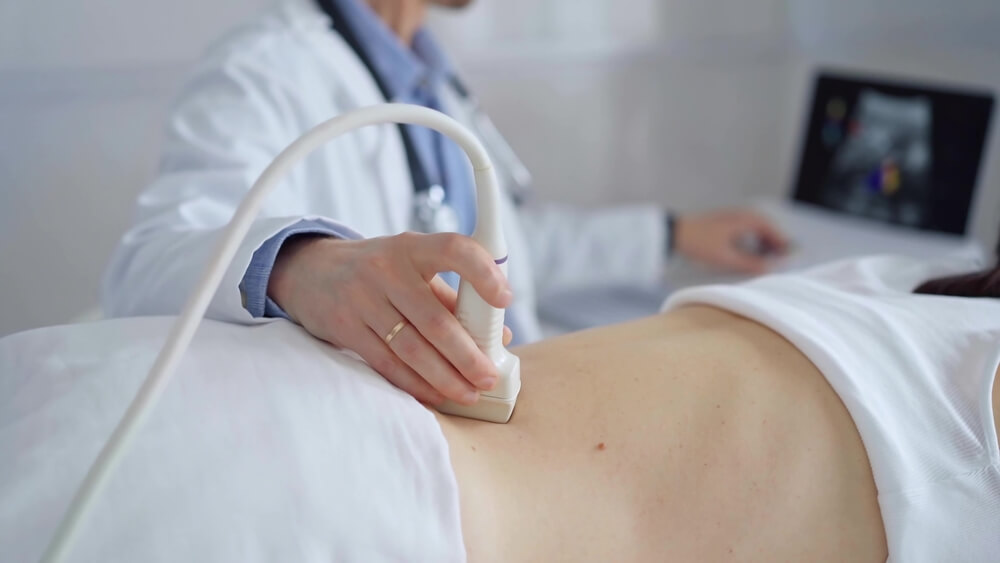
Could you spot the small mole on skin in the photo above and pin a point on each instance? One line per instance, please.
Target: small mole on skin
(473, 448)
(601, 446)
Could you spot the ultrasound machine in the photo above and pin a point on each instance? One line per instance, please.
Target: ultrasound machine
(885, 167)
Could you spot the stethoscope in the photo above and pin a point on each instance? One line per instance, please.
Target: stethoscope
(431, 211)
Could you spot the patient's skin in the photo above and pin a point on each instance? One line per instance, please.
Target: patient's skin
(692, 436)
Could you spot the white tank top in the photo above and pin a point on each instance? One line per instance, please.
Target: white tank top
(916, 374)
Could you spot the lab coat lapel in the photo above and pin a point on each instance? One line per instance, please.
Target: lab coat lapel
(390, 173)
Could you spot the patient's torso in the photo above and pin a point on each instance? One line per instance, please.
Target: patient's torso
(691, 436)
(915, 372)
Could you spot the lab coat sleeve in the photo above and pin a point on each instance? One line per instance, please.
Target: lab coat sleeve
(233, 119)
(573, 248)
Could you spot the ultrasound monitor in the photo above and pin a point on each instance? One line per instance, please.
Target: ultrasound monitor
(894, 152)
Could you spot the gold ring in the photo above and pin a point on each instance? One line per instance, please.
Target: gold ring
(395, 330)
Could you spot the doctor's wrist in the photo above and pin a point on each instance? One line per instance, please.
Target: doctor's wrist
(290, 265)
(670, 220)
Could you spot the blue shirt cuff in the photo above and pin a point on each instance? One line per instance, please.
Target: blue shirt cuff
(258, 273)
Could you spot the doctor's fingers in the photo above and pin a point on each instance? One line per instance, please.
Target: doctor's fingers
(449, 298)
(445, 252)
(743, 262)
(436, 324)
(766, 230)
(372, 348)
(409, 346)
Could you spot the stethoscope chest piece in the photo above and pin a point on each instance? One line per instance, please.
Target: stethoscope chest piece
(432, 214)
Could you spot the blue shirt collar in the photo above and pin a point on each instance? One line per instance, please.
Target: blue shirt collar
(402, 70)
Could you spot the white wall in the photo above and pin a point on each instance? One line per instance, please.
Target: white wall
(662, 100)
(84, 87)
(73, 154)
(692, 104)
(60, 34)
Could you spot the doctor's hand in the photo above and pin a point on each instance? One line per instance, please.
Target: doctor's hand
(382, 299)
(736, 240)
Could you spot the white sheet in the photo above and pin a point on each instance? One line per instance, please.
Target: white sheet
(267, 446)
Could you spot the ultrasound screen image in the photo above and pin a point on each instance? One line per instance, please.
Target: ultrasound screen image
(894, 153)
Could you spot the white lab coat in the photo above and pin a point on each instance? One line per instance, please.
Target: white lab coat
(254, 94)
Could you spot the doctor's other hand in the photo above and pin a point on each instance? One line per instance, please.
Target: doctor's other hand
(382, 299)
(736, 240)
